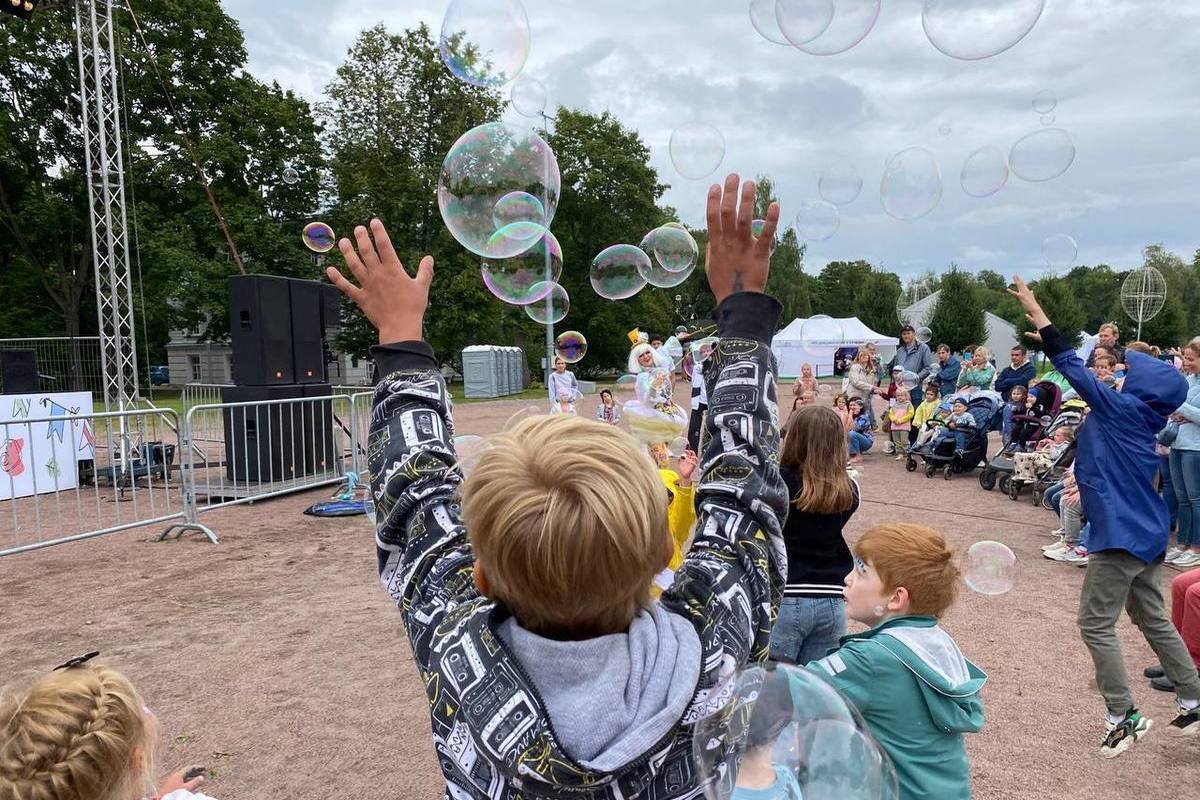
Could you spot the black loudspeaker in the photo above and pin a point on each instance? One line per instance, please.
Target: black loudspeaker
(316, 453)
(18, 372)
(260, 327)
(331, 309)
(308, 338)
(261, 440)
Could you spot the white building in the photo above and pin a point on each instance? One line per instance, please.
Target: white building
(1001, 334)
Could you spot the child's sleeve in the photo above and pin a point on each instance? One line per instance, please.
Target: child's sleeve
(907, 416)
(850, 672)
(681, 515)
(731, 581)
(425, 562)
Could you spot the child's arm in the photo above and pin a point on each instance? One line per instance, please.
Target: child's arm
(424, 560)
(850, 672)
(731, 581)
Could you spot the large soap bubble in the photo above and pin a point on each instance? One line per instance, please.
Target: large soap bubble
(989, 568)
(840, 184)
(817, 220)
(786, 725)
(485, 42)
(975, 29)
(617, 271)
(528, 97)
(674, 249)
(696, 149)
(1059, 251)
(985, 172)
(912, 184)
(487, 164)
(821, 329)
(762, 17)
(526, 278)
(1042, 155)
(801, 21)
(553, 306)
(852, 21)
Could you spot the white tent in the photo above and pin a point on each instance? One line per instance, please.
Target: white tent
(792, 347)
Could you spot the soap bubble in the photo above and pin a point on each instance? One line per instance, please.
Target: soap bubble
(816, 742)
(909, 380)
(616, 272)
(989, 568)
(762, 17)
(1042, 155)
(469, 448)
(526, 278)
(703, 349)
(840, 184)
(923, 334)
(487, 164)
(319, 237)
(852, 21)
(817, 220)
(821, 330)
(675, 249)
(985, 172)
(553, 306)
(516, 208)
(912, 184)
(756, 230)
(485, 42)
(696, 149)
(1059, 251)
(801, 21)
(975, 29)
(625, 383)
(1044, 101)
(525, 413)
(290, 176)
(528, 97)
(678, 447)
(1047, 120)
(673, 224)
(653, 270)
(570, 346)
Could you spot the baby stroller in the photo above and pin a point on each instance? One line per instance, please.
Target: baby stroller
(1027, 430)
(1043, 480)
(945, 455)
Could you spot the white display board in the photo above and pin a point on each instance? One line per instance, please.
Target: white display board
(41, 457)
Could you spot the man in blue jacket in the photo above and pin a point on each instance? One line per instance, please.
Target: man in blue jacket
(1019, 373)
(946, 371)
(1115, 467)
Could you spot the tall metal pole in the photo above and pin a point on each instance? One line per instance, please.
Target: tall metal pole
(103, 160)
(549, 298)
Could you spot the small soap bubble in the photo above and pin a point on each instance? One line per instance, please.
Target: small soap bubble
(318, 237)
(570, 346)
(553, 306)
(989, 568)
(1042, 155)
(696, 149)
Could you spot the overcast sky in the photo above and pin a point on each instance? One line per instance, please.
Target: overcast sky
(1124, 74)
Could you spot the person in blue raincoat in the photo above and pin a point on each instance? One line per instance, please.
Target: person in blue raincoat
(1115, 467)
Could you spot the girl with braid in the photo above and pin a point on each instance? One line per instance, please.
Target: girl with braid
(83, 733)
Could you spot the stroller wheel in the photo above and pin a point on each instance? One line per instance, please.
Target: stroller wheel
(911, 464)
(1037, 497)
(1014, 489)
(1005, 483)
(987, 479)
(947, 472)
(929, 470)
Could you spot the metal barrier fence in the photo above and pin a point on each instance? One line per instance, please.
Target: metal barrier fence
(75, 477)
(65, 364)
(66, 478)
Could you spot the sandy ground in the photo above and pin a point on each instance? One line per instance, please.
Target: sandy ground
(276, 659)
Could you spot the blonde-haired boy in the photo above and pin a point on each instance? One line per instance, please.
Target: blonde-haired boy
(549, 669)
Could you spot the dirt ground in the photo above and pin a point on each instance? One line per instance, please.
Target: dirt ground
(276, 659)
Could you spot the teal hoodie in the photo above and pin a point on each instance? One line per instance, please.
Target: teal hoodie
(918, 695)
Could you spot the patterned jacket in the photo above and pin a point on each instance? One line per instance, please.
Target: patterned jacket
(491, 730)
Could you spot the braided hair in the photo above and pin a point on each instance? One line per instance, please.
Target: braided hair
(77, 734)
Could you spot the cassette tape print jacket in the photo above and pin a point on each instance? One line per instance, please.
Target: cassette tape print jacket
(493, 734)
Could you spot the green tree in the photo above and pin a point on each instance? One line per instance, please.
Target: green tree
(393, 114)
(876, 302)
(957, 317)
(837, 287)
(1058, 301)
(787, 281)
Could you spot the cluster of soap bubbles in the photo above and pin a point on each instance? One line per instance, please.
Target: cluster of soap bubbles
(788, 722)
(816, 27)
(666, 257)
(989, 568)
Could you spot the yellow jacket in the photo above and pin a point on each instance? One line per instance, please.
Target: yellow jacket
(681, 516)
(924, 413)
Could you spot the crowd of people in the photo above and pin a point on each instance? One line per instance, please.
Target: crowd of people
(572, 626)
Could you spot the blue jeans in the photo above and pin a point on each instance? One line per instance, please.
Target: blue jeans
(1168, 489)
(1185, 478)
(859, 443)
(1053, 494)
(807, 628)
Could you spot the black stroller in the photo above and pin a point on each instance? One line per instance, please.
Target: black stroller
(1027, 429)
(944, 454)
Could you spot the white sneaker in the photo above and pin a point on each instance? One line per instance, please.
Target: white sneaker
(1172, 554)
(1187, 560)
(889, 448)
(1070, 555)
(1057, 547)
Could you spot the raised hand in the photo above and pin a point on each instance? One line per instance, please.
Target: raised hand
(737, 261)
(391, 299)
(1033, 309)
